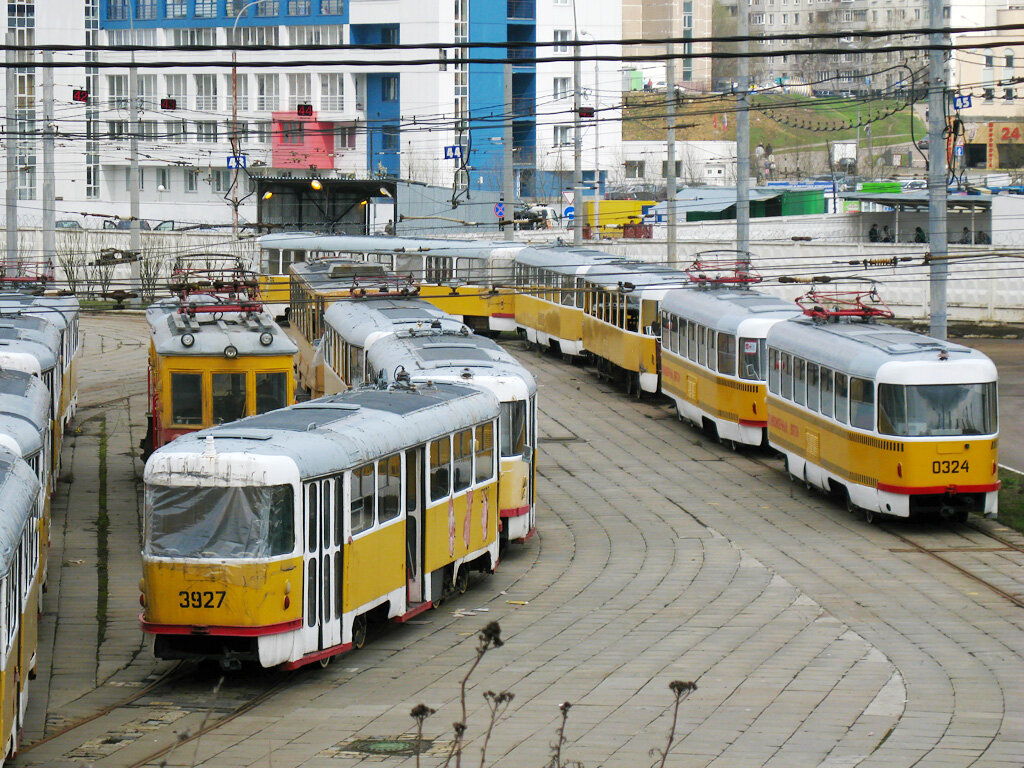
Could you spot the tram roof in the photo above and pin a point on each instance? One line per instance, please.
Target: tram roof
(344, 430)
(566, 260)
(725, 308)
(19, 490)
(308, 241)
(427, 354)
(356, 319)
(59, 310)
(43, 345)
(212, 334)
(861, 348)
(639, 274)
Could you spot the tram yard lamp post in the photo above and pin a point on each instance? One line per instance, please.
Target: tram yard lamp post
(234, 115)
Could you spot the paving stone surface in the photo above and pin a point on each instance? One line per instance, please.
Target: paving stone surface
(814, 639)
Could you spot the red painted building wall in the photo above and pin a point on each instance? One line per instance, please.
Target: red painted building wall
(301, 142)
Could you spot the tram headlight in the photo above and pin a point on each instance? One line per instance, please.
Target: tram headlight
(266, 338)
(187, 340)
(230, 352)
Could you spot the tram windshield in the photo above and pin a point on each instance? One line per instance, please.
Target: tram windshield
(937, 410)
(235, 522)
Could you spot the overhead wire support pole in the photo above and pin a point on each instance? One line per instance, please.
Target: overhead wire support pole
(11, 149)
(670, 159)
(743, 132)
(235, 144)
(577, 141)
(938, 270)
(49, 201)
(509, 217)
(135, 225)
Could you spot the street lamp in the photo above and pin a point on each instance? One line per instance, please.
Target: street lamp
(234, 113)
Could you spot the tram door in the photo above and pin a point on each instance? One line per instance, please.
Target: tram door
(414, 526)
(321, 606)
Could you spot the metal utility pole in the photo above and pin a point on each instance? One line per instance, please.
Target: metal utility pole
(11, 145)
(509, 181)
(49, 201)
(135, 240)
(743, 130)
(937, 225)
(577, 175)
(670, 166)
(236, 149)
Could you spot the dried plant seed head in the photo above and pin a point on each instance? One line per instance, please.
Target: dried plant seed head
(505, 697)
(421, 712)
(565, 706)
(459, 728)
(492, 634)
(679, 687)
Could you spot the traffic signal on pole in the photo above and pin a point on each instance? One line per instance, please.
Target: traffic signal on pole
(305, 110)
(168, 103)
(79, 94)
(586, 111)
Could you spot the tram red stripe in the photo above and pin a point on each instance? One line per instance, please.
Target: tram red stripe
(191, 629)
(934, 489)
(503, 314)
(749, 423)
(516, 511)
(310, 658)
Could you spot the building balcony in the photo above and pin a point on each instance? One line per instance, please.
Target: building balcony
(523, 157)
(522, 10)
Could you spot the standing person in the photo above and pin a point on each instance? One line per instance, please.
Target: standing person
(965, 238)
(873, 233)
(920, 236)
(886, 234)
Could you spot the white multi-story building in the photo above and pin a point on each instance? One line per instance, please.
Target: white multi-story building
(321, 114)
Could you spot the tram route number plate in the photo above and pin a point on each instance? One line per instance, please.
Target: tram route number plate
(202, 599)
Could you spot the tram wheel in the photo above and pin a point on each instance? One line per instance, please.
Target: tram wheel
(462, 580)
(869, 516)
(325, 662)
(850, 506)
(807, 483)
(359, 631)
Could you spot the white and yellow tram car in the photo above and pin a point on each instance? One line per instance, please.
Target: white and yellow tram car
(895, 422)
(277, 538)
(351, 326)
(209, 367)
(621, 306)
(550, 298)
(714, 357)
(464, 278)
(19, 591)
(434, 355)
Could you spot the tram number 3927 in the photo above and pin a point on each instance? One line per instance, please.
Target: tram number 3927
(201, 599)
(953, 466)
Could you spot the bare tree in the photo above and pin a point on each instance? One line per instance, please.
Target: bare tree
(70, 247)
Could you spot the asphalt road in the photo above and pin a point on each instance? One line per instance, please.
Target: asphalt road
(1008, 355)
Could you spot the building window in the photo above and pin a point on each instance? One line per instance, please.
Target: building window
(389, 137)
(163, 179)
(117, 129)
(206, 131)
(267, 94)
(206, 93)
(117, 10)
(176, 130)
(181, 37)
(220, 180)
(191, 180)
(990, 60)
(563, 135)
(206, 9)
(345, 137)
(262, 132)
(634, 169)
(332, 7)
(149, 130)
(241, 127)
(117, 91)
(990, 94)
(1007, 94)
(177, 9)
(128, 178)
(332, 91)
(291, 132)
(389, 35)
(679, 168)
(561, 88)
(299, 89)
(298, 7)
(389, 88)
(1008, 60)
(241, 90)
(268, 8)
(562, 38)
(175, 86)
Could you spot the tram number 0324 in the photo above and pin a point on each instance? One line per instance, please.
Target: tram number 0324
(953, 466)
(201, 599)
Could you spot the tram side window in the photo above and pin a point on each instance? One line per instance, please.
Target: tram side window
(312, 505)
(513, 428)
(702, 345)
(799, 381)
(361, 493)
(389, 488)
(228, 397)
(187, 398)
(339, 511)
(812, 386)
(355, 365)
(580, 295)
(842, 399)
(862, 403)
(271, 391)
(679, 336)
(786, 361)
(484, 445)
(826, 391)
(752, 359)
(440, 468)
(462, 459)
(774, 371)
(727, 354)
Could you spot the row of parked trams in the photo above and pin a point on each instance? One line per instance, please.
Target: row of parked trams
(278, 531)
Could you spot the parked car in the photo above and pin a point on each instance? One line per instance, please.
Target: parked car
(67, 224)
(124, 224)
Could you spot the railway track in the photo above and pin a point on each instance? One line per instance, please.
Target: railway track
(169, 713)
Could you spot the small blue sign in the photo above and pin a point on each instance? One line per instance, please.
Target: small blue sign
(499, 210)
(569, 212)
(454, 152)
(237, 161)
(962, 102)
(958, 150)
